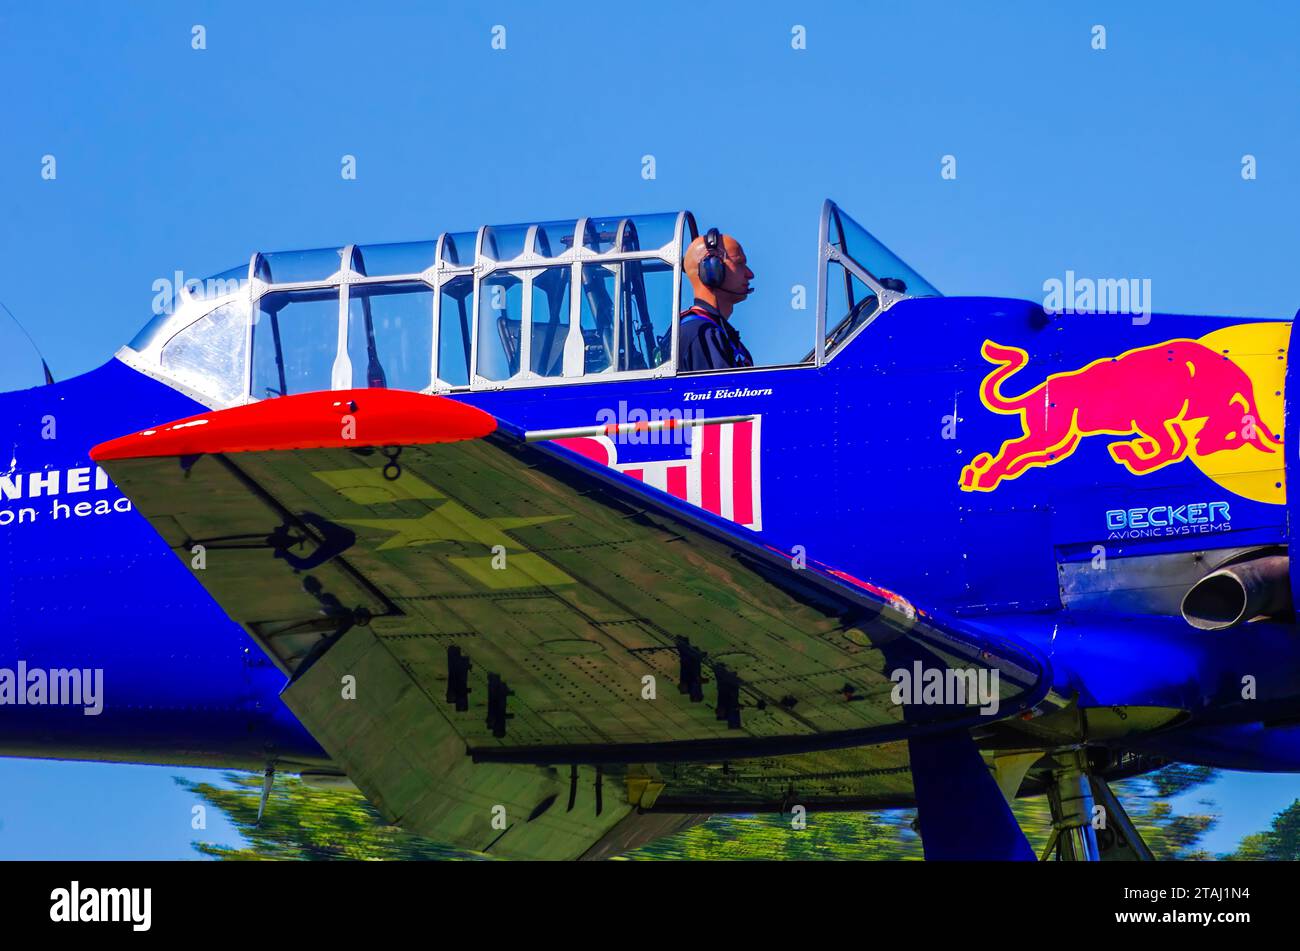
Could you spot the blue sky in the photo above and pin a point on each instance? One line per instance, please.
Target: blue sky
(1123, 162)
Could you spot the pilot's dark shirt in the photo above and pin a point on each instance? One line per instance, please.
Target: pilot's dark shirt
(708, 342)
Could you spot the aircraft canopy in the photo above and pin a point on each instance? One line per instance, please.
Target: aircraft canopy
(520, 305)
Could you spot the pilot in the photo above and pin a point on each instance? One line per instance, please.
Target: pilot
(719, 275)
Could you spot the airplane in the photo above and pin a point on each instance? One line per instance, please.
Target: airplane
(441, 520)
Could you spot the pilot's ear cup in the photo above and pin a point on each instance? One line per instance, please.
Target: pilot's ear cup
(712, 269)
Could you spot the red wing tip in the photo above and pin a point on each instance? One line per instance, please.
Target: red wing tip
(325, 420)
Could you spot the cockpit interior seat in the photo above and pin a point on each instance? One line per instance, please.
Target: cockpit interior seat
(600, 339)
(548, 347)
(509, 333)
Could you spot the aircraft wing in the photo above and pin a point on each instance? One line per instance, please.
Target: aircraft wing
(517, 650)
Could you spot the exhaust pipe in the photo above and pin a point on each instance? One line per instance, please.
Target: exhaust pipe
(1239, 592)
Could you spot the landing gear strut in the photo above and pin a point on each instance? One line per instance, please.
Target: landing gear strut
(1088, 822)
(1069, 793)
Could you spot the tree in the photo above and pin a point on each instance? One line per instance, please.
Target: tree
(1280, 843)
(889, 835)
(827, 835)
(1147, 800)
(312, 824)
(305, 823)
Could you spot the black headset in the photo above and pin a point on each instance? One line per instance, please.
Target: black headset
(713, 268)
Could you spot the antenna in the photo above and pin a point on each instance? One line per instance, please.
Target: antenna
(49, 377)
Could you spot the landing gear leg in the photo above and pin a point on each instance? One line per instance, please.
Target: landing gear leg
(1069, 793)
(1089, 823)
(1118, 839)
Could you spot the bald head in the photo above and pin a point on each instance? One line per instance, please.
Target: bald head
(735, 278)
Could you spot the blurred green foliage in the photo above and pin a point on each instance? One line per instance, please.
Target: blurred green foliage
(1279, 843)
(306, 823)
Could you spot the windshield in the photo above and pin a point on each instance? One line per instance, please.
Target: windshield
(170, 295)
(861, 277)
(853, 240)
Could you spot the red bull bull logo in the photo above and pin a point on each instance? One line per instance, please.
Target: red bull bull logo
(1166, 402)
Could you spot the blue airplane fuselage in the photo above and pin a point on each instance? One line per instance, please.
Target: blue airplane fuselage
(883, 464)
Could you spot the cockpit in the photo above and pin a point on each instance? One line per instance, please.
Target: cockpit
(525, 305)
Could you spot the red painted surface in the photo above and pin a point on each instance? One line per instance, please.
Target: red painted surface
(677, 485)
(326, 420)
(593, 449)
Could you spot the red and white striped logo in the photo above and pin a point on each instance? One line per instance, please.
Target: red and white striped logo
(722, 475)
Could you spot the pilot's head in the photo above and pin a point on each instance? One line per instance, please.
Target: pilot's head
(716, 266)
